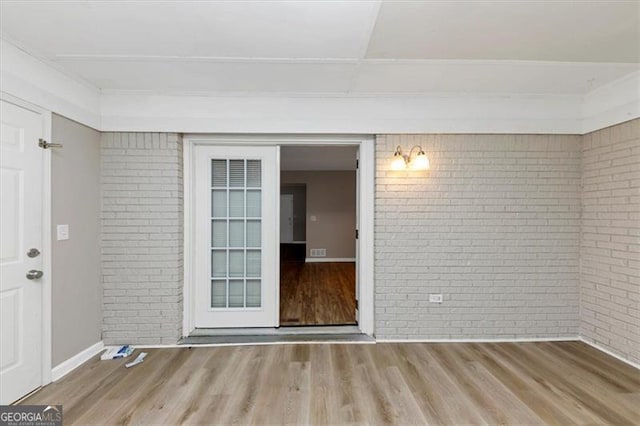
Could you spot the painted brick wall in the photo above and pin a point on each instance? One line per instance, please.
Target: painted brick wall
(610, 244)
(494, 227)
(142, 237)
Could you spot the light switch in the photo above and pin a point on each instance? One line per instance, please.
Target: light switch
(313, 218)
(63, 232)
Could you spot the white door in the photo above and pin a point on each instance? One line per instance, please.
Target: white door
(236, 240)
(21, 164)
(286, 218)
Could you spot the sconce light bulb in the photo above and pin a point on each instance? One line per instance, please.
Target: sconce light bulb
(420, 162)
(398, 162)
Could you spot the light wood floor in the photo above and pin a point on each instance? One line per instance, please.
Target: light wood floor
(507, 383)
(317, 293)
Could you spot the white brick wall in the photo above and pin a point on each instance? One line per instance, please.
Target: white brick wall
(142, 237)
(494, 227)
(610, 244)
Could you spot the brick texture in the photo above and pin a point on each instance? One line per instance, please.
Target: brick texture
(494, 226)
(610, 243)
(142, 237)
(498, 226)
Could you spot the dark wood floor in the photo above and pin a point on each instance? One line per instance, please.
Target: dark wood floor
(317, 293)
(562, 383)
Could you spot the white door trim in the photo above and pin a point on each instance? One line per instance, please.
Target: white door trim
(46, 233)
(365, 225)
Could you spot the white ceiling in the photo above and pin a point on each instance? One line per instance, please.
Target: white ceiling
(332, 47)
(560, 30)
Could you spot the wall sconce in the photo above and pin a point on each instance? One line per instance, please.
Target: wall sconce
(406, 161)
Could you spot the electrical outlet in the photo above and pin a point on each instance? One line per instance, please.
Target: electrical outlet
(435, 298)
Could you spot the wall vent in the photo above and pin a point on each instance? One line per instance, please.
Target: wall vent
(318, 252)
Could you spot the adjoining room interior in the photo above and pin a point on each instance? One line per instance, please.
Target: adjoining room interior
(318, 235)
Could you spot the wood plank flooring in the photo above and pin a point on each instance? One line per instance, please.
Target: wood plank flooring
(317, 293)
(410, 383)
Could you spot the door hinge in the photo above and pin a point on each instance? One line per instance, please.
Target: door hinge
(46, 145)
(357, 164)
(357, 304)
(357, 234)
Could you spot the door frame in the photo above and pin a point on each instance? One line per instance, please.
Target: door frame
(365, 192)
(46, 232)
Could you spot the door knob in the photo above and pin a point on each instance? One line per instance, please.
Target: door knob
(34, 274)
(34, 252)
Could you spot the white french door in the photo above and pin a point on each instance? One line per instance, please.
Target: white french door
(21, 179)
(236, 244)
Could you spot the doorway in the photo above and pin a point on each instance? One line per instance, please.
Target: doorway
(318, 267)
(199, 220)
(293, 221)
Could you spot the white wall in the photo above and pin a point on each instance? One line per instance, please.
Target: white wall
(142, 237)
(610, 239)
(342, 114)
(331, 199)
(494, 227)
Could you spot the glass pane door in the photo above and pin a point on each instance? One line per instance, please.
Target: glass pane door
(236, 231)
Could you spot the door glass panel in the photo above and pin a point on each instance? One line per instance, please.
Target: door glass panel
(236, 203)
(253, 293)
(254, 173)
(219, 173)
(219, 203)
(219, 233)
(236, 293)
(236, 233)
(254, 263)
(254, 233)
(254, 201)
(236, 173)
(219, 293)
(236, 263)
(219, 263)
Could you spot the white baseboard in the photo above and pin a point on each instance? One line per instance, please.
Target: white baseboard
(514, 340)
(329, 259)
(610, 353)
(83, 356)
(75, 361)
(488, 340)
(217, 345)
